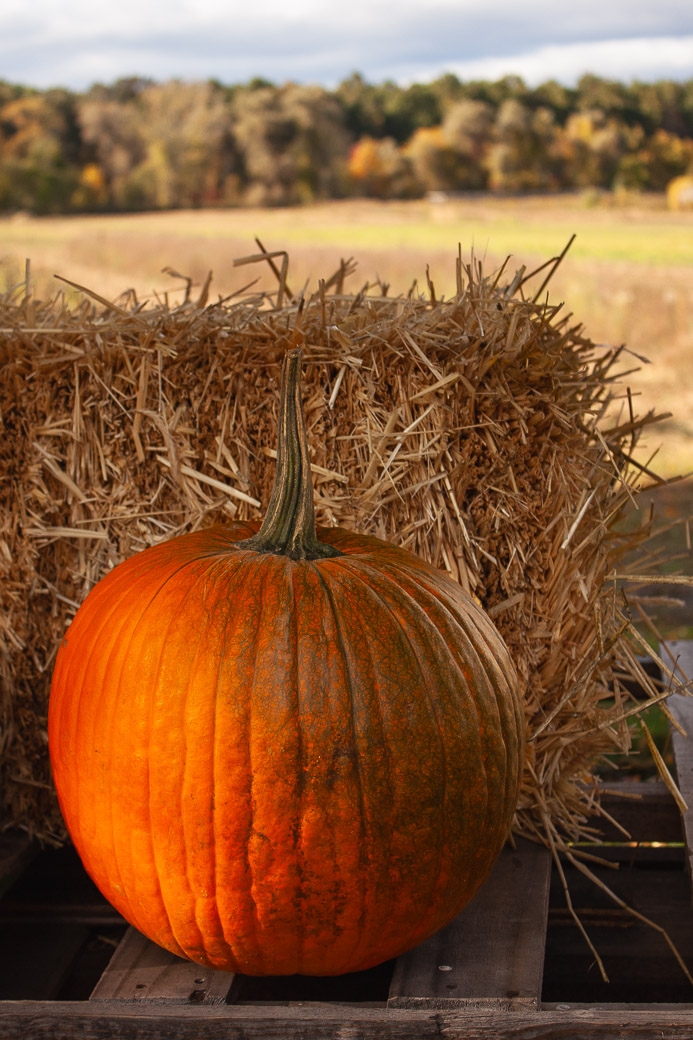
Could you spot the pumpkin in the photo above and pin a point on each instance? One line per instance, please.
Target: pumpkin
(285, 750)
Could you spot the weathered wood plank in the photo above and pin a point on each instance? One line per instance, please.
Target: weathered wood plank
(140, 971)
(647, 811)
(562, 1005)
(640, 965)
(492, 954)
(682, 709)
(111, 1020)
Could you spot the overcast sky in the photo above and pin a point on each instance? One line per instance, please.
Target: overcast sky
(75, 43)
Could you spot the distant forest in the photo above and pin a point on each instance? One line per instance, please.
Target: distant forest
(141, 145)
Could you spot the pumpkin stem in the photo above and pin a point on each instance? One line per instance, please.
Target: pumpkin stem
(289, 525)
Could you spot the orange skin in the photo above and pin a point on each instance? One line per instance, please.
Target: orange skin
(275, 766)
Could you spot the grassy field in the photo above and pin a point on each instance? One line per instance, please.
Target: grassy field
(628, 277)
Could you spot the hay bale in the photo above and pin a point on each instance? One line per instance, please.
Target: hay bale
(474, 431)
(680, 193)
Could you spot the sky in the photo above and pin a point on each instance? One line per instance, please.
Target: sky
(75, 43)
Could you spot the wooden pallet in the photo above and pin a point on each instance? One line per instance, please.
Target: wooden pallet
(482, 976)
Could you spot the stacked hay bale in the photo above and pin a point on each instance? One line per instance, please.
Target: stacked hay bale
(479, 432)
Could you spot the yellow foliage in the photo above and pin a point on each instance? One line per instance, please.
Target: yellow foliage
(364, 159)
(92, 177)
(380, 168)
(674, 148)
(424, 139)
(580, 126)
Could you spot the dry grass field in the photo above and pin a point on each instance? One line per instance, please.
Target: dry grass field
(628, 277)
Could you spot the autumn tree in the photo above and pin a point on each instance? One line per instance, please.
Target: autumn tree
(467, 130)
(559, 99)
(380, 169)
(386, 109)
(524, 156)
(189, 146)
(136, 144)
(452, 156)
(293, 144)
(113, 131)
(432, 160)
(167, 145)
(662, 158)
(664, 106)
(39, 151)
(594, 147)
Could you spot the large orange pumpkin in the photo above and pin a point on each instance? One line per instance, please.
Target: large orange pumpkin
(282, 752)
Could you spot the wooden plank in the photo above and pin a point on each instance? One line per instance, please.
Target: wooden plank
(651, 817)
(641, 967)
(140, 971)
(492, 954)
(671, 1009)
(112, 1020)
(682, 708)
(646, 810)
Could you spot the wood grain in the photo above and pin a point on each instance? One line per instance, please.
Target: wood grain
(647, 811)
(140, 971)
(110, 1020)
(492, 954)
(682, 709)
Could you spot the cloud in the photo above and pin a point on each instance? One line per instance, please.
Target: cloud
(77, 42)
(645, 59)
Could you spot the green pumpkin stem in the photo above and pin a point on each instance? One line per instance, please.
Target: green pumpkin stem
(289, 525)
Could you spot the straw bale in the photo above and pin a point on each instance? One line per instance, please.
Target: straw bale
(479, 432)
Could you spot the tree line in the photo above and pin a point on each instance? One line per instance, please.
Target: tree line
(141, 145)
